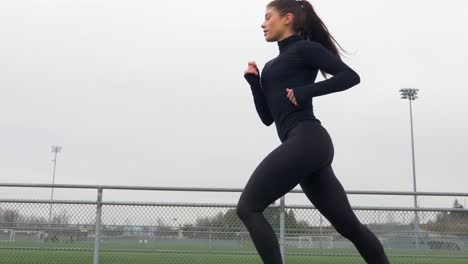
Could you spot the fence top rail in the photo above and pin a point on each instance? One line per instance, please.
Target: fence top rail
(212, 189)
(226, 205)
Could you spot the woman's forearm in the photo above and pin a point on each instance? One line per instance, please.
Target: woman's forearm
(260, 102)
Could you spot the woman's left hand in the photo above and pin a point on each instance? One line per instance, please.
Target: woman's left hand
(290, 94)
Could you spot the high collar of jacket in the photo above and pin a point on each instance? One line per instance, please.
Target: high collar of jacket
(284, 44)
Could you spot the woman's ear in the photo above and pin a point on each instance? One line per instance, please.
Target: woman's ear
(288, 18)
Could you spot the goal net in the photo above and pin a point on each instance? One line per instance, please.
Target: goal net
(6, 235)
(27, 236)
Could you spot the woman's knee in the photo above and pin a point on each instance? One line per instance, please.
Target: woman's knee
(242, 210)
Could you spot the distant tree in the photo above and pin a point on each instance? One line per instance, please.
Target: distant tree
(10, 217)
(458, 216)
(232, 221)
(450, 221)
(61, 218)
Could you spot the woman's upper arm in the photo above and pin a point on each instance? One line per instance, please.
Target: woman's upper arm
(316, 56)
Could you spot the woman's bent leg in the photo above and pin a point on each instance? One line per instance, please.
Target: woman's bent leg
(277, 174)
(328, 195)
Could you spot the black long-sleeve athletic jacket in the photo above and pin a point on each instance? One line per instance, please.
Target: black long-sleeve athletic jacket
(296, 67)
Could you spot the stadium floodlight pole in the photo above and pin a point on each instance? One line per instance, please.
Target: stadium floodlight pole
(55, 149)
(411, 94)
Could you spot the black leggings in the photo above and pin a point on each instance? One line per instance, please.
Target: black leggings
(305, 157)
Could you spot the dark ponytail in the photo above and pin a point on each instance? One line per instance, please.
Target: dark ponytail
(307, 23)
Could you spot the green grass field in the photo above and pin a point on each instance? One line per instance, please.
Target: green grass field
(123, 253)
(82, 257)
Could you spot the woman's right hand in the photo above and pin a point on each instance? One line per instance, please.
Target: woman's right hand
(252, 68)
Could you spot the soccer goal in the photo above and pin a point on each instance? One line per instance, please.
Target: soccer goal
(27, 236)
(6, 235)
(314, 241)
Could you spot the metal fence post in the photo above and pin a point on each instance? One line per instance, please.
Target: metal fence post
(97, 233)
(282, 227)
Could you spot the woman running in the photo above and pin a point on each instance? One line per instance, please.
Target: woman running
(283, 94)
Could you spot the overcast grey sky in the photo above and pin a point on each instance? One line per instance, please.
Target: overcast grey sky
(151, 93)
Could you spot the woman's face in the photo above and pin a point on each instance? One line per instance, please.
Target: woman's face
(275, 26)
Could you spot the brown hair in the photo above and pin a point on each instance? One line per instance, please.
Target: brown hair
(307, 23)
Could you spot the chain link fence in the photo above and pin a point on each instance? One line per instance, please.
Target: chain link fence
(79, 231)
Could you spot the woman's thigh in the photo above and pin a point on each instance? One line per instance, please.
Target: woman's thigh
(270, 180)
(327, 194)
